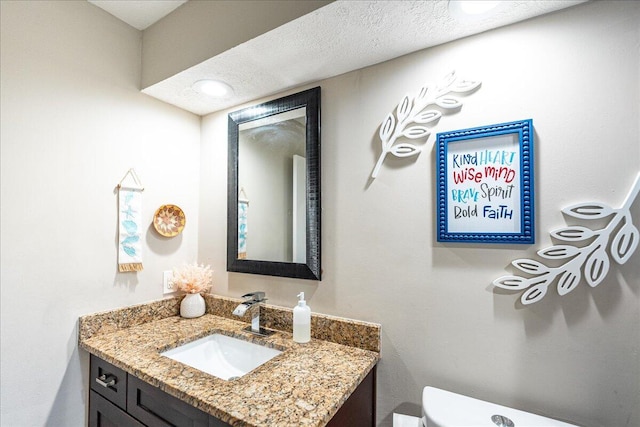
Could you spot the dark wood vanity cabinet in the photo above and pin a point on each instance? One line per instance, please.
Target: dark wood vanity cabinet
(103, 413)
(155, 408)
(360, 408)
(118, 399)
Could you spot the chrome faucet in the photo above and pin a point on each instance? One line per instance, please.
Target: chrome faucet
(252, 303)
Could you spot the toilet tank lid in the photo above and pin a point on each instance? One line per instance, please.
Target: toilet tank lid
(443, 408)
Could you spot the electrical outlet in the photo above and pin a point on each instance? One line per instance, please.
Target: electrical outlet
(167, 282)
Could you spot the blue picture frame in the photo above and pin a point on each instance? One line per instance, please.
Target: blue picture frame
(485, 183)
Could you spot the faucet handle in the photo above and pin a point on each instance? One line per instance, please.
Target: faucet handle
(255, 296)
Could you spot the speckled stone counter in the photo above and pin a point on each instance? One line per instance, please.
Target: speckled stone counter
(303, 386)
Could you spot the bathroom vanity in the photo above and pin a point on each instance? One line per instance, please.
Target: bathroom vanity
(328, 381)
(120, 399)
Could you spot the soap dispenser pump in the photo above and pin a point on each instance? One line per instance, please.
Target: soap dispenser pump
(301, 320)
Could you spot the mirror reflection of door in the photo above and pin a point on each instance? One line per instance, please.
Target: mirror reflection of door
(299, 250)
(272, 179)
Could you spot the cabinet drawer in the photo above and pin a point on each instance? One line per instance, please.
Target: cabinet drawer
(102, 413)
(156, 408)
(109, 381)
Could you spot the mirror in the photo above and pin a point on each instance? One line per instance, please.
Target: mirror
(273, 210)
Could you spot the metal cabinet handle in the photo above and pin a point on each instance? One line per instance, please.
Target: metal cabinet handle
(107, 380)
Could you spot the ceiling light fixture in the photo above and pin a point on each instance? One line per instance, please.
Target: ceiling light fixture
(472, 9)
(213, 88)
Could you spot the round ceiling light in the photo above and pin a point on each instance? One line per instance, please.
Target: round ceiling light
(213, 88)
(472, 9)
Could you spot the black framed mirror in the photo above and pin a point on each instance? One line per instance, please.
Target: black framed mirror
(273, 209)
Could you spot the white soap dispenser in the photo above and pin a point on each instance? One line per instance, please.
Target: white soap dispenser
(301, 320)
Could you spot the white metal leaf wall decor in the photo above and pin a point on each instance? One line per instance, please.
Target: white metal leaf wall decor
(589, 262)
(412, 116)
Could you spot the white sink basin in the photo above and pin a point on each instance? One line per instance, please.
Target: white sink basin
(222, 356)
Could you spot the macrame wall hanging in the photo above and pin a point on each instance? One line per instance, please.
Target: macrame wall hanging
(582, 253)
(243, 228)
(414, 113)
(130, 223)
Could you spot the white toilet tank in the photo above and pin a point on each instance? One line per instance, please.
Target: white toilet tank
(442, 408)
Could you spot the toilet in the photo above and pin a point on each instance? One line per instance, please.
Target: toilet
(441, 408)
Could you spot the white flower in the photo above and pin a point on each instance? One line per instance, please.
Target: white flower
(193, 278)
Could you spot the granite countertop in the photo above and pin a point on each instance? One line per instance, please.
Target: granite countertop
(303, 386)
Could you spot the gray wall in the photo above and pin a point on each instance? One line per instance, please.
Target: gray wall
(576, 73)
(73, 123)
(199, 30)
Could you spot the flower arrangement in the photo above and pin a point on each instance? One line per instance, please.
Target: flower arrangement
(193, 278)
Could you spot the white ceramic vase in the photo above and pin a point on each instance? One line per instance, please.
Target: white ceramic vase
(192, 305)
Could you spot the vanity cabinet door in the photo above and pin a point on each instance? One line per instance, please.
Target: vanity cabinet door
(102, 413)
(156, 408)
(360, 408)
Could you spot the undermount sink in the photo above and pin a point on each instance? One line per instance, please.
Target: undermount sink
(222, 356)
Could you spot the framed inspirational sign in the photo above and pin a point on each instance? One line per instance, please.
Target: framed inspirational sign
(485, 184)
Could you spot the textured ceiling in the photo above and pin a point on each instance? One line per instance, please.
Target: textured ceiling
(139, 14)
(343, 36)
(340, 37)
